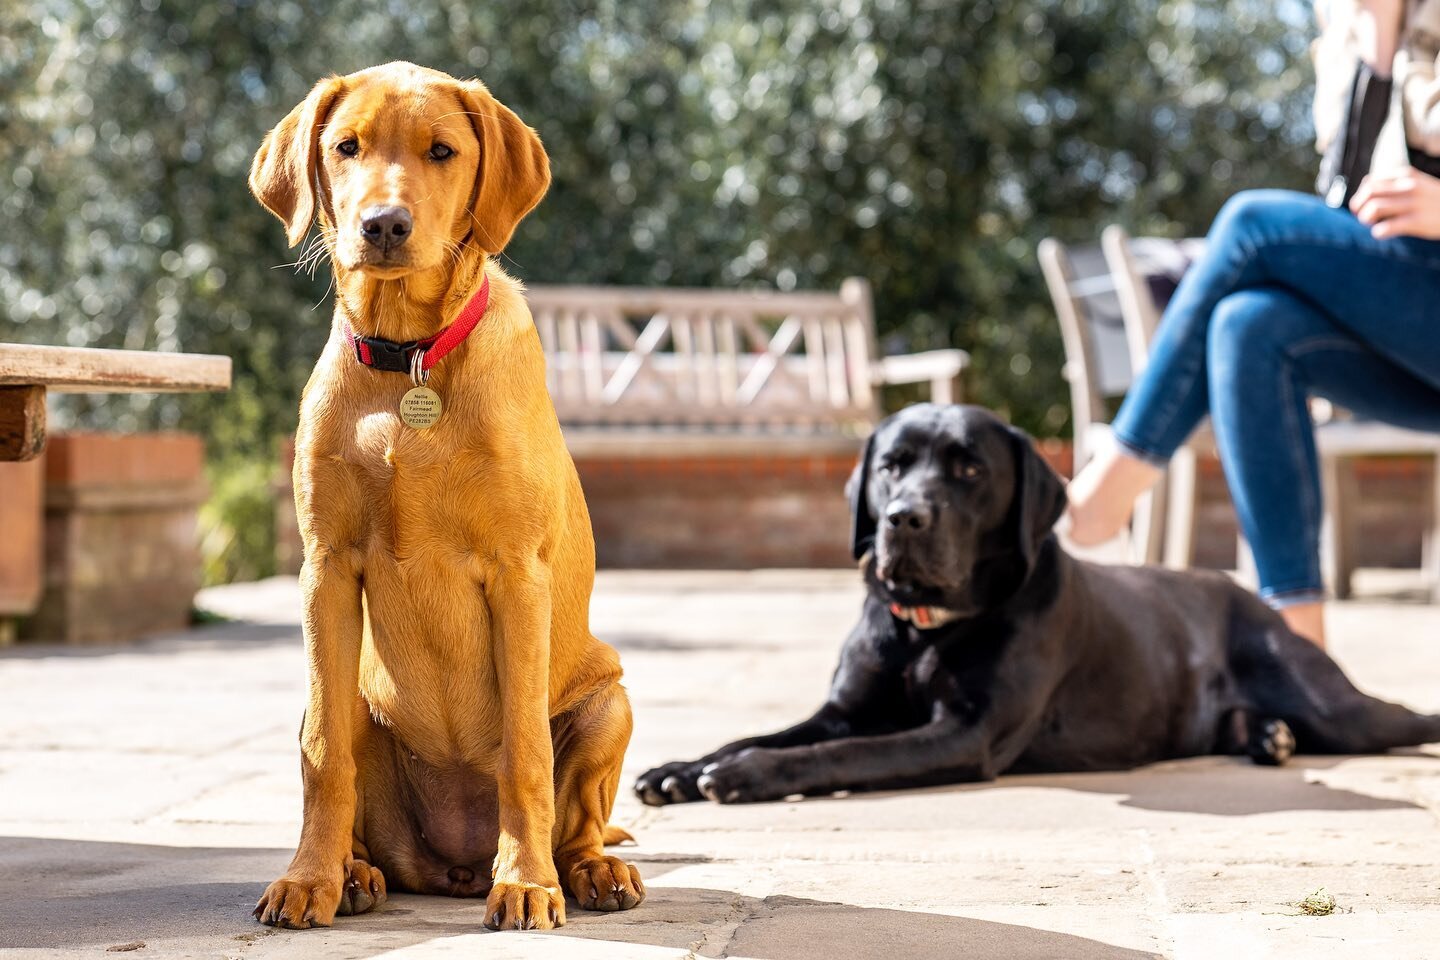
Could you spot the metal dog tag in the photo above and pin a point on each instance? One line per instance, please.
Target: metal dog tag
(420, 408)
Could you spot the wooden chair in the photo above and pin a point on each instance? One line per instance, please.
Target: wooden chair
(1145, 273)
(1136, 265)
(1097, 368)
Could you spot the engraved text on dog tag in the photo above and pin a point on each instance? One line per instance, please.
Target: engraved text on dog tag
(420, 407)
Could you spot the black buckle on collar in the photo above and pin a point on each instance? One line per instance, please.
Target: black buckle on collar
(386, 354)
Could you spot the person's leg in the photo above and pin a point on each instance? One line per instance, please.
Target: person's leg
(1169, 397)
(1381, 291)
(1306, 620)
(1269, 350)
(1103, 494)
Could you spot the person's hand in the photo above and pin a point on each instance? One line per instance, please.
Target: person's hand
(1405, 203)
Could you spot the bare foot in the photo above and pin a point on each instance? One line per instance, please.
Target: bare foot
(1103, 494)
(1307, 620)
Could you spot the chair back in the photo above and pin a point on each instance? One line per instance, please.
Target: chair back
(1097, 355)
(1146, 272)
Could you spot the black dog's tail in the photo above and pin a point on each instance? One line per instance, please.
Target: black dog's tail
(1289, 678)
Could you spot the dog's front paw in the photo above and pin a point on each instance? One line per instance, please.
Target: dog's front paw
(671, 783)
(747, 777)
(524, 906)
(299, 902)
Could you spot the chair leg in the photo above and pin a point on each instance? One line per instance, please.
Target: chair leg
(1431, 551)
(1156, 511)
(1182, 496)
(1340, 490)
(1245, 568)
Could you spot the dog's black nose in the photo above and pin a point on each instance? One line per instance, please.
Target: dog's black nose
(904, 514)
(386, 227)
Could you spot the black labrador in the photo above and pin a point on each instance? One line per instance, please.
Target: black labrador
(984, 648)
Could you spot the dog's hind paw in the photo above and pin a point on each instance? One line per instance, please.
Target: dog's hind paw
(364, 889)
(606, 883)
(1272, 743)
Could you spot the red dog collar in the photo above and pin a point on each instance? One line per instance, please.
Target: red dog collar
(396, 357)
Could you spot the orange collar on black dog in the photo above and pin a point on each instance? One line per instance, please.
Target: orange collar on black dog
(926, 618)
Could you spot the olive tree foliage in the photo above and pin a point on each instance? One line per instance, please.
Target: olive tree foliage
(925, 144)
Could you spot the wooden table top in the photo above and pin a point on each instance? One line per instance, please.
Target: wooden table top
(28, 372)
(86, 370)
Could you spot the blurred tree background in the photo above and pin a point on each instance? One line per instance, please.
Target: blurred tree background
(926, 144)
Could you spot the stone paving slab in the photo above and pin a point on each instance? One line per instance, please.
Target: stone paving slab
(148, 794)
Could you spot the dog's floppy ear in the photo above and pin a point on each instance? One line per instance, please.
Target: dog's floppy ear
(282, 177)
(514, 170)
(862, 528)
(1039, 496)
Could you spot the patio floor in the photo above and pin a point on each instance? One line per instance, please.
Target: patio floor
(148, 794)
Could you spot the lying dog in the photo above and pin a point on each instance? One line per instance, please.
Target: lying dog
(984, 648)
(464, 731)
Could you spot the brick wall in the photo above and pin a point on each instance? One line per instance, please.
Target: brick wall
(719, 513)
(790, 511)
(121, 558)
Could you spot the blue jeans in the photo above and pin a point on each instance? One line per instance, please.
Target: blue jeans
(1291, 299)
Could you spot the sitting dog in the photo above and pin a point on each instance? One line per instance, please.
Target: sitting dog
(464, 731)
(983, 648)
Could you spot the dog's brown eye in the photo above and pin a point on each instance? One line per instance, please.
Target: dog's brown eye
(970, 471)
(441, 152)
(896, 462)
(349, 147)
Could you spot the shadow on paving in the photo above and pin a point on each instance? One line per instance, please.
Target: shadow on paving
(1220, 786)
(659, 643)
(72, 895)
(217, 636)
(793, 928)
(77, 893)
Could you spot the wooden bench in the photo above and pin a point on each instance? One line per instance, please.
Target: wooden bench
(703, 372)
(27, 373)
(715, 428)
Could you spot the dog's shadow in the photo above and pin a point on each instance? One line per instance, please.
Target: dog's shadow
(67, 895)
(1213, 785)
(1224, 786)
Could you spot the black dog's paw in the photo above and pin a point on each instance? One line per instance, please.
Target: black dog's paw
(671, 783)
(746, 777)
(1272, 743)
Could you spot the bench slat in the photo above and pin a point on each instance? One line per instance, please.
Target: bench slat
(81, 369)
(721, 359)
